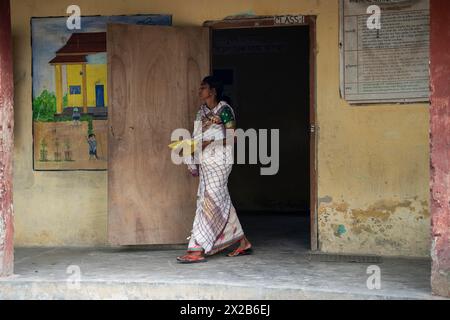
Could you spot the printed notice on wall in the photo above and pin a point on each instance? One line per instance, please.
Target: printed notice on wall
(384, 51)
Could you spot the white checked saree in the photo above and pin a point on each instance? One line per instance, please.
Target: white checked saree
(216, 225)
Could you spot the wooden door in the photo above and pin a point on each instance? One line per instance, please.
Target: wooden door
(153, 77)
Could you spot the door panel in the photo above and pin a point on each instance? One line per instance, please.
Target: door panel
(99, 95)
(153, 73)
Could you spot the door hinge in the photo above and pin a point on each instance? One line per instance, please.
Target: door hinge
(313, 128)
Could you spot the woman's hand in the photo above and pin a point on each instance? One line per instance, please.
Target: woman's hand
(216, 119)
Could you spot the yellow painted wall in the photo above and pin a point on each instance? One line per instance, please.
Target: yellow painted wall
(96, 74)
(372, 160)
(74, 78)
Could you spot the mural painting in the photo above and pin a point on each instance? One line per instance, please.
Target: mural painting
(70, 93)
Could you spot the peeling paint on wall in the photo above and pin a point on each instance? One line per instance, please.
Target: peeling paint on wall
(340, 230)
(387, 227)
(326, 199)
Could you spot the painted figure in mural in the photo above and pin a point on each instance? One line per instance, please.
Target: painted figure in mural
(92, 146)
(76, 116)
(216, 224)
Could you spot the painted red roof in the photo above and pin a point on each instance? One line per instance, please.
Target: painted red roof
(69, 59)
(84, 43)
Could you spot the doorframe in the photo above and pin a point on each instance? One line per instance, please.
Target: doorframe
(290, 21)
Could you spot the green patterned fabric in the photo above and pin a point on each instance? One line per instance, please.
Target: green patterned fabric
(226, 115)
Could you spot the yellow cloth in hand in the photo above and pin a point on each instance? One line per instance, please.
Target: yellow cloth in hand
(188, 146)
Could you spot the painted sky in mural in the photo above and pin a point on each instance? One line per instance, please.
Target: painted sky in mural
(50, 34)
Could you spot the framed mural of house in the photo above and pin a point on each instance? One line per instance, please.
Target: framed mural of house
(70, 100)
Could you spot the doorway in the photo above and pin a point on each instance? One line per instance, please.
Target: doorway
(99, 95)
(158, 204)
(268, 76)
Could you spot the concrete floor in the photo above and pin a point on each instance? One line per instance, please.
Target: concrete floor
(278, 269)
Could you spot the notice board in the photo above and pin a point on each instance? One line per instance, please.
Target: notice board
(388, 63)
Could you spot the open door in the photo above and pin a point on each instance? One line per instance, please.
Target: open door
(153, 77)
(274, 22)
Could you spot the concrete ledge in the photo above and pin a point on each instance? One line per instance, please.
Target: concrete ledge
(56, 290)
(274, 271)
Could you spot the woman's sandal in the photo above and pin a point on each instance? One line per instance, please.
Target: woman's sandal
(240, 252)
(191, 259)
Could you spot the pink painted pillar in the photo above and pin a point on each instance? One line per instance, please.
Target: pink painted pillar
(6, 142)
(440, 145)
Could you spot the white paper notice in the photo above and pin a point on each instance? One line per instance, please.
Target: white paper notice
(389, 64)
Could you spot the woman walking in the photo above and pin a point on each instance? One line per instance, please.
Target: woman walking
(216, 225)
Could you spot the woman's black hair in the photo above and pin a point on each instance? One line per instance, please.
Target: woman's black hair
(215, 83)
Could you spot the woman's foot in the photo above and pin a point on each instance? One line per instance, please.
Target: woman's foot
(245, 248)
(192, 257)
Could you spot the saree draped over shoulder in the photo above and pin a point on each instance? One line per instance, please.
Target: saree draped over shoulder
(216, 225)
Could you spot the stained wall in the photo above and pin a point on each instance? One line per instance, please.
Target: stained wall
(372, 161)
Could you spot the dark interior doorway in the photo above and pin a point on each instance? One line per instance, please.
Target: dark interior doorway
(266, 72)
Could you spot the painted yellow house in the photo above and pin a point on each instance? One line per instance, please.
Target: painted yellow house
(80, 72)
